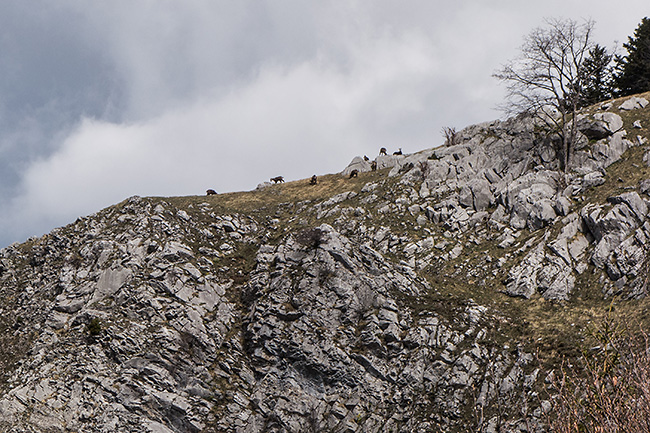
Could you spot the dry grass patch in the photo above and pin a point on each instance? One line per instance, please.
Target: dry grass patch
(622, 176)
(270, 197)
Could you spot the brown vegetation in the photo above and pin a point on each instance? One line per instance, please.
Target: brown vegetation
(609, 391)
(450, 135)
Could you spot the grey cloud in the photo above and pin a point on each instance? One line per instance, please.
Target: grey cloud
(103, 100)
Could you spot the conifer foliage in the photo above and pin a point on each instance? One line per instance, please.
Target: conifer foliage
(633, 74)
(596, 77)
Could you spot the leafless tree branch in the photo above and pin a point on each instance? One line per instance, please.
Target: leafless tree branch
(546, 80)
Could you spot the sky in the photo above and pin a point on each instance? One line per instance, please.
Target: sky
(100, 101)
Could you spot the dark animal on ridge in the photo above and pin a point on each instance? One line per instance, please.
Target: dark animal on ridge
(354, 173)
(373, 165)
(399, 152)
(382, 151)
(211, 192)
(365, 158)
(277, 179)
(314, 180)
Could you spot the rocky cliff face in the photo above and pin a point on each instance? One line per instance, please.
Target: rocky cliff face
(411, 298)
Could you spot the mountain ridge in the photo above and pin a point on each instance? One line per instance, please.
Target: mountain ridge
(410, 298)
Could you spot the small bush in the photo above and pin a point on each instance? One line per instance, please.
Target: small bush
(325, 275)
(425, 169)
(94, 328)
(75, 259)
(310, 238)
(451, 137)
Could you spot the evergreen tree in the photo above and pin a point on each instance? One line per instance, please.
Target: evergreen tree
(596, 77)
(634, 69)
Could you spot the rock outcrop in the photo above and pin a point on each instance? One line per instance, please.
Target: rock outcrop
(385, 305)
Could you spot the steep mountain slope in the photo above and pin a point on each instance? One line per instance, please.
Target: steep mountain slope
(410, 298)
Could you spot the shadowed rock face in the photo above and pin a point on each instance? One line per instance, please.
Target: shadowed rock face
(321, 336)
(335, 314)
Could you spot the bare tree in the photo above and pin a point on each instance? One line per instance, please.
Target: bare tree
(546, 80)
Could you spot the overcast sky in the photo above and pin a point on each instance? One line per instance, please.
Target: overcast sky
(100, 101)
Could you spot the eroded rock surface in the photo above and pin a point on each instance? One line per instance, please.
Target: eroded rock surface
(337, 313)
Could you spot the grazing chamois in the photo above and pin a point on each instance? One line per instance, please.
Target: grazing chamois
(399, 152)
(354, 173)
(314, 180)
(211, 192)
(365, 158)
(277, 179)
(373, 165)
(383, 151)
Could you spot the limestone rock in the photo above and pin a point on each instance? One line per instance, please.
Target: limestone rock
(556, 280)
(531, 199)
(562, 206)
(522, 279)
(357, 163)
(592, 179)
(601, 126)
(541, 214)
(610, 229)
(633, 103)
(644, 187)
(336, 312)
